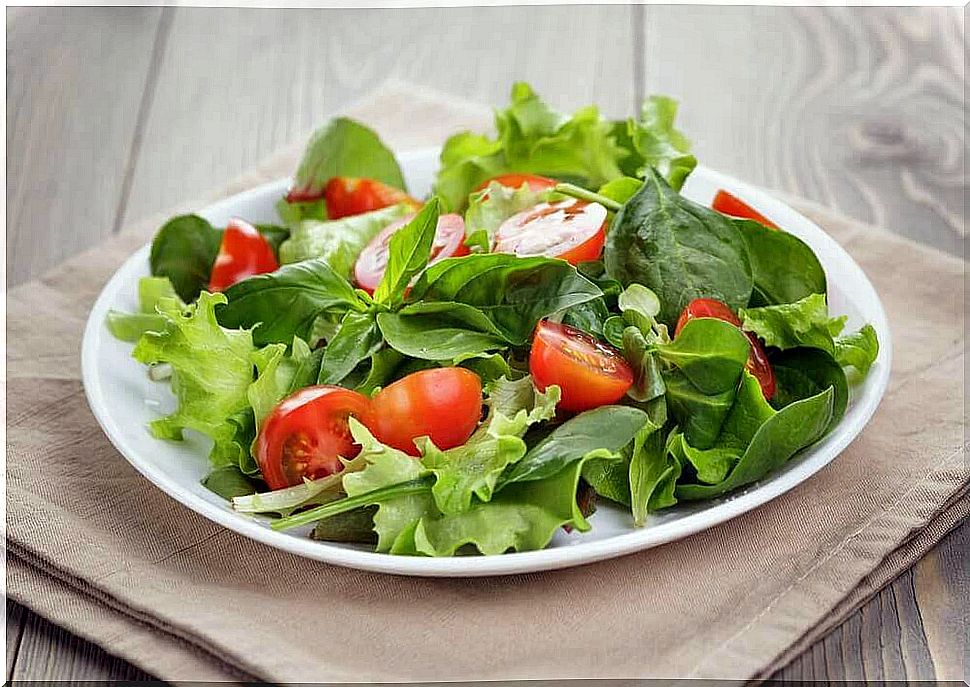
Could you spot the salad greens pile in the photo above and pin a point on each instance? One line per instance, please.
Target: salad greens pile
(694, 424)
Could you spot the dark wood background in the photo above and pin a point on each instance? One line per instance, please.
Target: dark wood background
(115, 113)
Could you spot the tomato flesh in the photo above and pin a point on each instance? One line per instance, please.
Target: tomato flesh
(572, 230)
(444, 404)
(449, 242)
(757, 364)
(535, 182)
(346, 196)
(307, 433)
(729, 204)
(243, 253)
(589, 373)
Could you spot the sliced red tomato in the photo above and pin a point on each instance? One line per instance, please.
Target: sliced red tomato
(757, 364)
(307, 434)
(449, 242)
(242, 253)
(444, 404)
(535, 182)
(346, 196)
(729, 204)
(572, 230)
(589, 373)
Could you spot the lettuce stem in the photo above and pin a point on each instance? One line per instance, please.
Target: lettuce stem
(584, 194)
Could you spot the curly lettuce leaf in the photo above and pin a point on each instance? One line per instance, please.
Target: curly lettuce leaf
(858, 349)
(213, 369)
(805, 322)
(584, 148)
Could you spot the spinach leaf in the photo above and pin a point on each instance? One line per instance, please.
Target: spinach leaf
(513, 292)
(357, 339)
(609, 476)
(805, 322)
(711, 465)
(784, 268)
(607, 428)
(440, 331)
(184, 250)
(678, 249)
(229, 482)
(749, 411)
(285, 303)
(338, 242)
(408, 253)
(345, 148)
(791, 429)
(859, 349)
(711, 353)
(804, 372)
(699, 415)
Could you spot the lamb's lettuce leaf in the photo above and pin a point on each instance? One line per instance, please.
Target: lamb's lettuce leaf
(213, 369)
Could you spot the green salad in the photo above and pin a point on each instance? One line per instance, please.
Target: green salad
(553, 328)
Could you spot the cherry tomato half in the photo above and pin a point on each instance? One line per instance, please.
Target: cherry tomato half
(449, 242)
(757, 364)
(570, 229)
(347, 196)
(307, 433)
(535, 182)
(443, 403)
(242, 253)
(729, 204)
(588, 373)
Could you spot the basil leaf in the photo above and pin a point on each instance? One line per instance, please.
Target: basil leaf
(678, 249)
(285, 303)
(783, 267)
(408, 253)
(788, 431)
(184, 250)
(440, 331)
(345, 148)
(513, 292)
(357, 339)
(607, 428)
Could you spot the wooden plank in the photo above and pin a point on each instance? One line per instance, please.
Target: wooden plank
(223, 105)
(75, 77)
(859, 108)
(47, 652)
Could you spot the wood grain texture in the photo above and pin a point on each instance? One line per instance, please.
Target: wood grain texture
(233, 102)
(116, 113)
(75, 79)
(860, 109)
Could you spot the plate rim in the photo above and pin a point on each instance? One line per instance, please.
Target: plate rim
(580, 553)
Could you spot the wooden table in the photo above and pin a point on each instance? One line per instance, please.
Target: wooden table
(115, 113)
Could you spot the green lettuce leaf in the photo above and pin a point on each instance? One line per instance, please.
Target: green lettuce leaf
(858, 349)
(653, 141)
(490, 207)
(805, 322)
(213, 369)
(338, 242)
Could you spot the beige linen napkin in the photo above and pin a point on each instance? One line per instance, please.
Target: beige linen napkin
(96, 548)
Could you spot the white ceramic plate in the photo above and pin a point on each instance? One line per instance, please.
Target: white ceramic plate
(124, 401)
